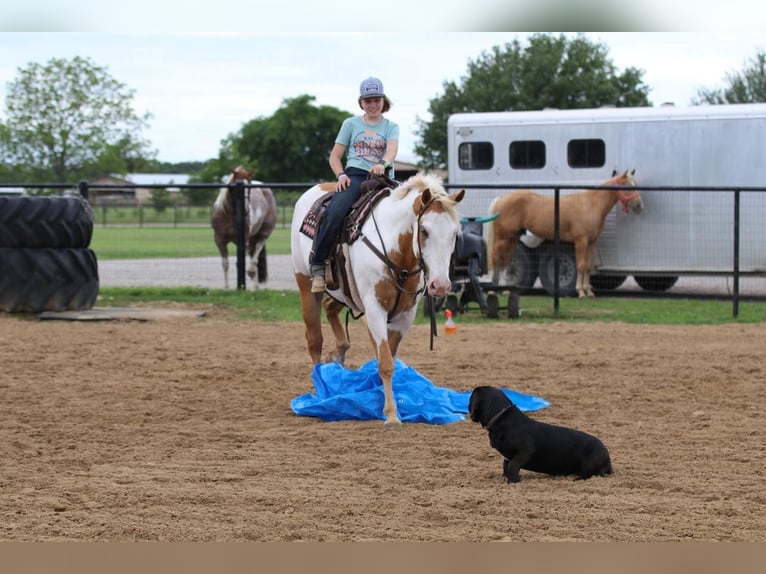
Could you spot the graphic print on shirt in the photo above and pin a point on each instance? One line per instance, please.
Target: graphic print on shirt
(369, 146)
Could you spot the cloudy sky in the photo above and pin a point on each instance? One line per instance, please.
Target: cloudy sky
(202, 86)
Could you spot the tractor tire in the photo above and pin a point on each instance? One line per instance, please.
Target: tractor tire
(39, 222)
(47, 279)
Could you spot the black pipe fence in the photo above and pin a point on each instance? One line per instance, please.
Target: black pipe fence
(91, 193)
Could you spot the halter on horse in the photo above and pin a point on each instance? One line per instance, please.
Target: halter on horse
(404, 251)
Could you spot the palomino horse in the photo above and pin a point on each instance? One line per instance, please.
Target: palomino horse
(581, 220)
(404, 250)
(260, 219)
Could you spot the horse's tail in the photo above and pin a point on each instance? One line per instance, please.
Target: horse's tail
(222, 202)
(493, 208)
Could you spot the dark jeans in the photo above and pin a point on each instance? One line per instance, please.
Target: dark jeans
(339, 206)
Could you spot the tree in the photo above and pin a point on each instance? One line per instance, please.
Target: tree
(552, 71)
(69, 119)
(293, 145)
(745, 86)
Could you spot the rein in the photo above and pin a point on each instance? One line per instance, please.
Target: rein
(494, 419)
(399, 275)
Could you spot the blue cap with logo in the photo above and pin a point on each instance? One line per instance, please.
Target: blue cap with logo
(371, 88)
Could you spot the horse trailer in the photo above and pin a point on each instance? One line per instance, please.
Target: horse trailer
(707, 151)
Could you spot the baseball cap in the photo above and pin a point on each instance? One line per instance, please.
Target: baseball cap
(371, 88)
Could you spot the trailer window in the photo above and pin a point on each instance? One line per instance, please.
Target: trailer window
(527, 155)
(586, 153)
(476, 155)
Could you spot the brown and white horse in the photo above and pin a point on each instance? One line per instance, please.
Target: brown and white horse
(404, 251)
(260, 219)
(581, 220)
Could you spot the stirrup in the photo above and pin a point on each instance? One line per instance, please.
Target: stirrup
(318, 284)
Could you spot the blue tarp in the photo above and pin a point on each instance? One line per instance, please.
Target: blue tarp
(344, 394)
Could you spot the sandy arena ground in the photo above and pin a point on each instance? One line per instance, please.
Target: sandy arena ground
(180, 429)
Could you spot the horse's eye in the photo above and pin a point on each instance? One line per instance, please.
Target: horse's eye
(423, 233)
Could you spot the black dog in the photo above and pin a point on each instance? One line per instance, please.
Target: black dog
(533, 445)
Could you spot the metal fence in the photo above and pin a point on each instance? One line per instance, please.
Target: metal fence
(181, 216)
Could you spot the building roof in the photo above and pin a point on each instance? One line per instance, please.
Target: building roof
(157, 178)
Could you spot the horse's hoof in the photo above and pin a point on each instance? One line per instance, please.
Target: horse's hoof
(392, 423)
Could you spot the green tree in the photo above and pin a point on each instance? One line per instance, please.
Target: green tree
(160, 199)
(744, 87)
(69, 119)
(292, 145)
(551, 71)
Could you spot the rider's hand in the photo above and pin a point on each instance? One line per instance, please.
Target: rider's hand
(343, 182)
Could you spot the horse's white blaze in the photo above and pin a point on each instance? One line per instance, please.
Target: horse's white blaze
(437, 250)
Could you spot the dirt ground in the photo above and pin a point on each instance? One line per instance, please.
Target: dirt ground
(180, 430)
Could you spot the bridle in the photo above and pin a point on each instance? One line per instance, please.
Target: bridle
(398, 274)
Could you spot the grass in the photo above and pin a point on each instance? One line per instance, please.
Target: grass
(170, 242)
(270, 305)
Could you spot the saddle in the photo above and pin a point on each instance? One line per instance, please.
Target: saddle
(337, 267)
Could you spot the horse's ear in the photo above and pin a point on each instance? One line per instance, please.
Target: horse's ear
(426, 197)
(458, 197)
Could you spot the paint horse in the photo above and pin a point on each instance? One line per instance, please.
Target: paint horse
(260, 219)
(581, 220)
(404, 251)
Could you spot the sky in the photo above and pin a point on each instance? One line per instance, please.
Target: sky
(202, 86)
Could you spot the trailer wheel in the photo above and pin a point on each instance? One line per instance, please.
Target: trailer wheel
(656, 283)
(47, 279)
(522, 269)
(607, 282)
(60, 222)
(567, 269)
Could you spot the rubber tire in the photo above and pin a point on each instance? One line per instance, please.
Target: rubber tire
(47, 279)
(523, 268)
(656, 283)
(567, 269)
(37, 222)
(606, 282)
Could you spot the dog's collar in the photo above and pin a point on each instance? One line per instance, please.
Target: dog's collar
(493, 420)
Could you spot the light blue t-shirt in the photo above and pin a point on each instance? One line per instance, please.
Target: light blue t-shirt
(365, 144)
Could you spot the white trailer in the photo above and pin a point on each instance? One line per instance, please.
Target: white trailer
(679, 232)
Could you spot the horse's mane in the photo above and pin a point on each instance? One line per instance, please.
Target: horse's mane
(431, 181)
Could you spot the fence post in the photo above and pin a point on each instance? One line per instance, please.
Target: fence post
(735, 298)
(556, 250)
(239, 218)
(83, 186)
